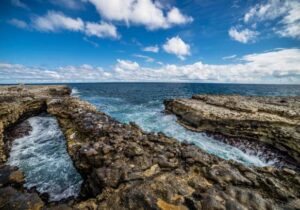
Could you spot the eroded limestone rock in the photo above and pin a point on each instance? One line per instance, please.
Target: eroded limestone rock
(273, 121)
(127, 168)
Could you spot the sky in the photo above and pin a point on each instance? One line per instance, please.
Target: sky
(223, 41)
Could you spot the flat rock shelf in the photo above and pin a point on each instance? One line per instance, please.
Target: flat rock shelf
(272, 122)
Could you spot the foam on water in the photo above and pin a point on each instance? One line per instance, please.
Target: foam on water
(150, 117)
(43, 157)
(75, 92)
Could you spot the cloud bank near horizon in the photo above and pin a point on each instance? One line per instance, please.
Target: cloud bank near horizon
(277, 66)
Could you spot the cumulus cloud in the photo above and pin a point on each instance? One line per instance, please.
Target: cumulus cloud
(243, 36)
(285, 13)
(56, 21)
(20, 73)
(277, 66)
(18, 23)
(153, 49)
(140, 12)
(175, 17)
(123, 65)
(101, 30)
(178, 47)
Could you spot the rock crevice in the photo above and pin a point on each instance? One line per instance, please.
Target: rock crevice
(274, 121)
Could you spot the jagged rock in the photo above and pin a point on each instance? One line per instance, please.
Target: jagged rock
(126, 168)
(274, 121)
(10, 176)
(17, 177)
(12, 199)
(20, 102)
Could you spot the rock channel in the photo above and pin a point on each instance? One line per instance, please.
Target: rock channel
(270, 121)
(126, 168)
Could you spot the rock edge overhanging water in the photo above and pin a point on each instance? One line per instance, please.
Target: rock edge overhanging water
(127, 168)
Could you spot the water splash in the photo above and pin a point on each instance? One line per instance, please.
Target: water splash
(75, 92)
(42, 156)
(150, 117)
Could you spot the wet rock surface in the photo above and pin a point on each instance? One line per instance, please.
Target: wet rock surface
(127, 168)
(271, 121)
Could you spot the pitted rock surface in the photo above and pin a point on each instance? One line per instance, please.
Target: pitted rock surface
(273, 121)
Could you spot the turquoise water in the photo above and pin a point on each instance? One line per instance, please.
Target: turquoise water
(43, 158)
(142, 103)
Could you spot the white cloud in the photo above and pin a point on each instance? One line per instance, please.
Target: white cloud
(277, 66)
(140, 12)
(20, 73)
(91, 42)
(69, 4)
(101, 30)
(178, 47)
(285, 13)
(243, 36)
(18, 23)
(175, 17)
(229, 57)
(124, 65)
(153, 49)
(56, 21)
(146, 58)
(19, 3)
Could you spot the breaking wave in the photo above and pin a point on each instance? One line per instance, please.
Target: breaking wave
(43, 158)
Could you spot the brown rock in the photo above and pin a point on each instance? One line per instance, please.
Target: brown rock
(126, 168)
(263, 119)
(17, 177)
(13, 199)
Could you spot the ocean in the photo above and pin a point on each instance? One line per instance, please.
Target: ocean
(142, 103)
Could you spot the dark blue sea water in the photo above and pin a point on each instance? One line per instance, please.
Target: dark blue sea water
(142, 103)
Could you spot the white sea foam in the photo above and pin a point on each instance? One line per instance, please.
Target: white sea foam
(42, 156)
(75, 92)
(150, 117)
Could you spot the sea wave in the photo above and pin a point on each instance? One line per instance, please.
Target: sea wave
(75, 92)
(42, 156)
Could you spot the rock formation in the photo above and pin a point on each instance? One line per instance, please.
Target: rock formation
(126, 168)
(274, 121)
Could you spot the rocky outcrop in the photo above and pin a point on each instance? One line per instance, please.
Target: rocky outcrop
(20, 102)
(127, 168)
(274, 121)
(16, 104)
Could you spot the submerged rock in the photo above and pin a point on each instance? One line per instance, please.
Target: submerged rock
(273, 121)
(126, 168)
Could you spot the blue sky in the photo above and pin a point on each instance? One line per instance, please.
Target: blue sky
(147, 40)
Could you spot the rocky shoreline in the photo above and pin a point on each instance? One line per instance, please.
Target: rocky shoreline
(126, 168)
(270, 121)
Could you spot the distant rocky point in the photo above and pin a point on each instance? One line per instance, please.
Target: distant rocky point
(274, 121)
(124, 167)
